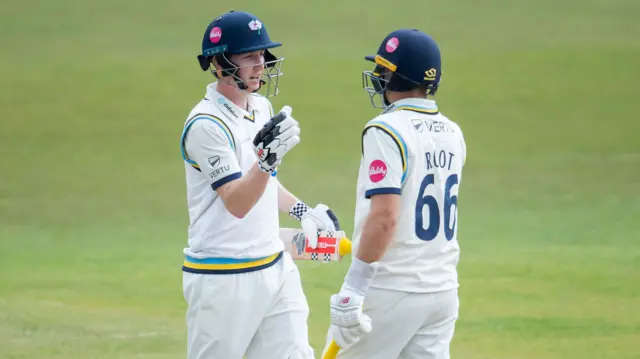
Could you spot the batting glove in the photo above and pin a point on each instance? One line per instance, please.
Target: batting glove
(348, 323)
(277, 137)
(320, 218)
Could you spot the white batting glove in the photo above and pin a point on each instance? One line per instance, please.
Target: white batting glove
(320, 218)
(348, 323)
(277, 137)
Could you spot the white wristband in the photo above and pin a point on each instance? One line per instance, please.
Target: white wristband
(359, 276)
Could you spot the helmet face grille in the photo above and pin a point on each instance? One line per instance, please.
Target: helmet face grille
(375, 84)
(270, 76)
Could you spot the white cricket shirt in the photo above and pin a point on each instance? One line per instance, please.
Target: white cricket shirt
(217, 147)
(413, 150)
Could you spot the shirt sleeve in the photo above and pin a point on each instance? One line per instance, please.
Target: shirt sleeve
(210, 147)
(464, 147)
(385, 158)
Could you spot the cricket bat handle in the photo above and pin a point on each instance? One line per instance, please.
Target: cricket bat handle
(332, 351)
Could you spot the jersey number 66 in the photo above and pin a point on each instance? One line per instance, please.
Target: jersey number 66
(427, 234)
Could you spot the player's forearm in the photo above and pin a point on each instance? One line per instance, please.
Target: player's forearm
(286, 200)
(376, 235)
(241, 195)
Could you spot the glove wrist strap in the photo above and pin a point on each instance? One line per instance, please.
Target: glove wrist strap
(264, 169)
(298, 210)
(359, 277)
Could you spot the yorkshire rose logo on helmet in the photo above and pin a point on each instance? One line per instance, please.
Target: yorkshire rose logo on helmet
(215, 35)
(377, 171)
(392, 44)
(255, 25)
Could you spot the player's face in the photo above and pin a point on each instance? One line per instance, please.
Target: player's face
(251, 67)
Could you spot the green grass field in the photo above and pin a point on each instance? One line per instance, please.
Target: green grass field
(92, 208)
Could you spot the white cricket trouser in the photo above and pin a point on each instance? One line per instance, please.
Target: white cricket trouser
(255, 315)
(406, 326)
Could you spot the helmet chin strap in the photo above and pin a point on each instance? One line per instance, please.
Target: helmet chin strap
(243, 86)
(229, 68)
(240, 82)
(385, 101)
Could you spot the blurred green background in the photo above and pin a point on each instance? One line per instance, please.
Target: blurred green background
(92, 199)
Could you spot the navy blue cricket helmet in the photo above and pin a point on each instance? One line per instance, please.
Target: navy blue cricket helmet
(407, 59)
(238, 32)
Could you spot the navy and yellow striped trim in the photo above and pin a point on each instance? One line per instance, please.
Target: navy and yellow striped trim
(228, 265)
(402, 146)
(251, 117)
(224, 180)
(204, 116)
(418, 109)
(382, 190)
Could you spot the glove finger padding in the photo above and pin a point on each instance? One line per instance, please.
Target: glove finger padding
(310, 229)
(267, 128)
(346, 337)
(268, 133)
(284, 146)
(330, 215)
(324, 218)
(278, 136)
(284, 125)
(287, 110)
(319, 218)
(280, 120)
(343, 337)
(271, 156)
(365, 324)
(288, 132)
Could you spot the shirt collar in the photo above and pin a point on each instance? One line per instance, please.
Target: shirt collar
(228, 107)
(421, 105)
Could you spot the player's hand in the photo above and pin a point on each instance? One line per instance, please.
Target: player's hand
(348, 323)
(321, 218)
(277, 137)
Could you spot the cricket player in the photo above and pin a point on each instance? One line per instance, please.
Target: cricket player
(243, 292)
(399, 298)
